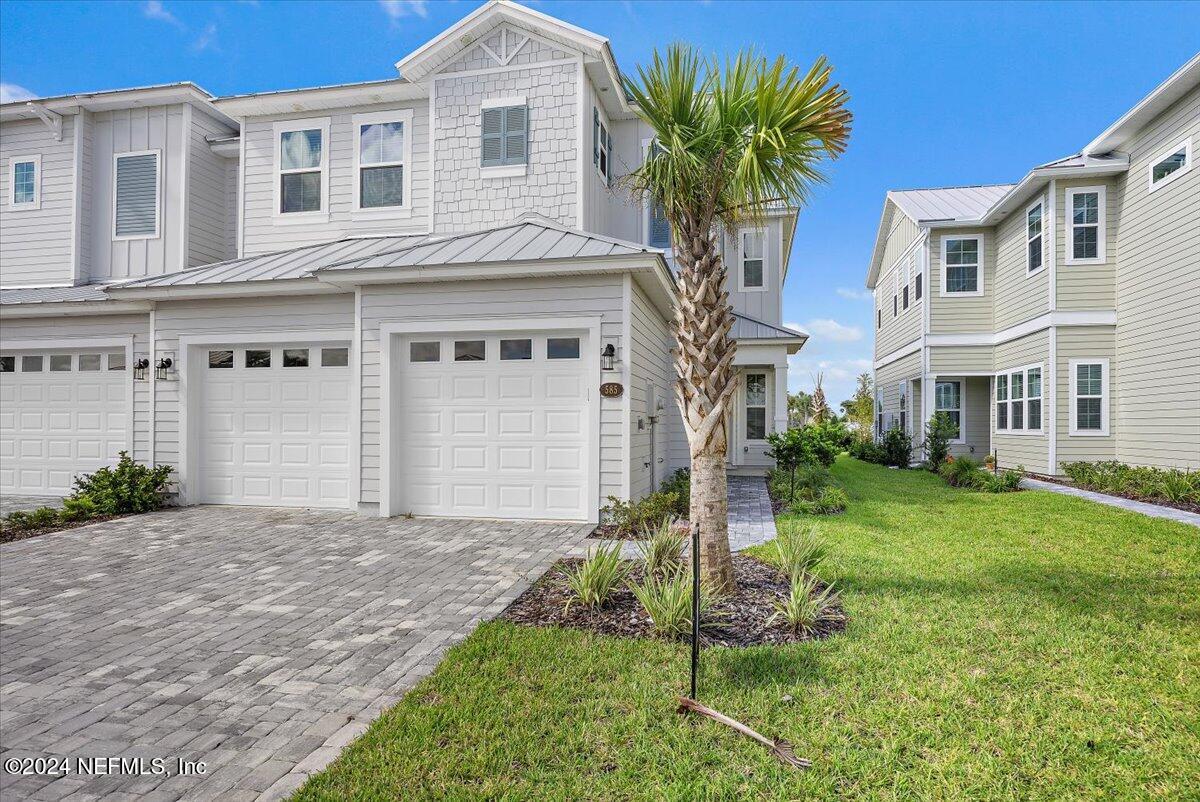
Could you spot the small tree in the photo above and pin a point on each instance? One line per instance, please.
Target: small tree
(799, 408)
(940, 430)
(860, 409)
(897, 447)
(788, 450)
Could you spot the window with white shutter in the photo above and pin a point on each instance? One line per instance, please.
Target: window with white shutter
(504, 135)
(135, 195)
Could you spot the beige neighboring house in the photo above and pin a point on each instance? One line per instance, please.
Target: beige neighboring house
(1056, 319)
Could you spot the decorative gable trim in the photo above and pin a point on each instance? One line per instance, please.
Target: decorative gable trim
(507, 54)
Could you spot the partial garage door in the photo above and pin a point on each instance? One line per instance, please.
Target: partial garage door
(61, 414)
(493, 426)
(275, 425)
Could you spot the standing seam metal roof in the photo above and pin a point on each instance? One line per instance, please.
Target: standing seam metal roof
(948, 203)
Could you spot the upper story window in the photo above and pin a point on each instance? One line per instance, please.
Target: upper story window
(1033, 238)
(962, 259)
(24, 176)
(601, 147)
(1019, 400)
(658, 227)
(135, 195)
(1089, 397)
(302, 159)
(919, 280)
(1166, 167)
(382, 149)
(752, 245)
(504, 135)
(895, 292)
(1086, 224)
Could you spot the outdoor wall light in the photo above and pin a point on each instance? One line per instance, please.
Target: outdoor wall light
(139, 369)
(608, 357)
(163, 368)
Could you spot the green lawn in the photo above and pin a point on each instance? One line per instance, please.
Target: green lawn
(1019, 646)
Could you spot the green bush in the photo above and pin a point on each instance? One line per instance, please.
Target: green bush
(42, 518)
(962, 472)
(18, 520)
(896, 448)
(1138, 481)
(679, 483)
(867, 451)
(797, 553)
(668, 602)
(594, 580)
(938, 433)
(805, 605)
(662, 549)
(1006, 481)
(830, 500)
(645, 513)
(78, 508)
(130, 487)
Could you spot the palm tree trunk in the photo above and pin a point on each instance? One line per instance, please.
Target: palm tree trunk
(710, 507)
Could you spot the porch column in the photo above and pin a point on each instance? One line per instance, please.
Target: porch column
(781, 394)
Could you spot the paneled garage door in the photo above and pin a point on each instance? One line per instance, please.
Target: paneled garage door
(61, 414)
(275, 425)
(493, 426)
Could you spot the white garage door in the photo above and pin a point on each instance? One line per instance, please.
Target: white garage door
(493, 426)
(275, 425)
(61, 414)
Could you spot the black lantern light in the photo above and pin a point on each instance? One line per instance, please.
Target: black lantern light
(163, 367)
(139, 369)
(608, 356)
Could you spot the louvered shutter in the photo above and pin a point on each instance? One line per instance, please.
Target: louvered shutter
(595, 137)
(515, 119)
(660, 227)
(492, 146)
(136, 188)
(608, 149)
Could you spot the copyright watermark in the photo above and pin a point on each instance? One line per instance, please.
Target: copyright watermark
(97, 766)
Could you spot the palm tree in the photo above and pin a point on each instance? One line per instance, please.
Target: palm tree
(728, 143)
(820, 407)
(799, 408)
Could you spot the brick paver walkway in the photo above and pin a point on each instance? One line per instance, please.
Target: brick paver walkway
(1153, 510)
(259, 641)
(11, 503)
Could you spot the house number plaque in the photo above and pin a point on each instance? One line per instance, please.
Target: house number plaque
(611, 390)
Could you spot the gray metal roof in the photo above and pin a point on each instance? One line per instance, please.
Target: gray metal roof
(50, 295)
(748, 328)
(948, 203)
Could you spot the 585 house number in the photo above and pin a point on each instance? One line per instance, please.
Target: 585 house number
(611, 390)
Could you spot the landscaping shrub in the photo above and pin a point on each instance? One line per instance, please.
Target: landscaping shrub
(797, 553)
(130, 487)
(668, 602)
(662, 550)
(645, 513)
(18, 520)
(1110, 476)
(595, 579)
(42, 518)
(896, 448)
(78, 508)
(830, 500)
(805, 605)
(961, 472)
(806, 482)
(867, 451)
(938, 433)
(1007, 481)
(679, 483)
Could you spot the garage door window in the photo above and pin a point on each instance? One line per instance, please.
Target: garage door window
(116, 361)
(8, 364)
(425, 352)
(335, 357)
(89, 363)
(217, 359)
(258, 358)
(470, 350)
(562, 348)
(60, 363)
(516, 349)
(31, 364)
(295, 357)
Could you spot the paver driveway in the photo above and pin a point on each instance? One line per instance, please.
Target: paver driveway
(259, 641)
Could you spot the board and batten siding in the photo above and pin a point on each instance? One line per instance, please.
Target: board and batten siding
(35, 244)
(209, 237)
(1158, 300)
(1018, 294)
(1028, 449)
(474, 302)
(1087, 286)
(650, 366)
(265, 231)
(953, 314)
(1085, 342)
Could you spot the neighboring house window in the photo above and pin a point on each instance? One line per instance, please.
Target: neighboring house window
(753, 260)
(1033, 238)
(961, 265)
(1019, 400)
(1167, 167)
(878, 318)
(302, 160)
(504, 134)
(658, 227)
(947, 396)
(1089, 397)
(919, 269)
(25, 178)
(1085, 238)
(382, 154)
(135, 195)
(903, 406)
(601, 147)
(878, 417)
(896, 292)
(756, 406)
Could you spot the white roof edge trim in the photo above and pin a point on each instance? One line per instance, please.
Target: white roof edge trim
(1131, 121)
(157, 95)
(250, 104)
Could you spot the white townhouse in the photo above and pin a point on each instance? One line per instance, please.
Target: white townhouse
(1056, 319)
(425, 295)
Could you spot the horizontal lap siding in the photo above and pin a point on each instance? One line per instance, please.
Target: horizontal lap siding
(209, 237)
(896, 332)
(887, 384)
(650, 363)
(767, 305)
(1030, 450)
(976, 407)
(1085, 342)
(948, 360)
(1019, 295)
(35, 244)
(1158, 298)
(311, 314)
(958, 315)
(475, 301)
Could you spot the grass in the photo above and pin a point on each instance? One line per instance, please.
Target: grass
(1019, 646)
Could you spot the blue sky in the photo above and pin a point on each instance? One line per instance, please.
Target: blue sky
(943, 94)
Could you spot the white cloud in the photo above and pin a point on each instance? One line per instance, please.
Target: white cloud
(832, 330)
(207, 40)
(154, 9)
(11, 93)
(395, 9)
(854, 295)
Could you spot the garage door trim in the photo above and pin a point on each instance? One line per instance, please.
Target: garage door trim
(191, 347)
(391, 333)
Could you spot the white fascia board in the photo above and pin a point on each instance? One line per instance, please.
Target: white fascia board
(1175, 86)
(532, 269)
(320, 98)
(247, 289)
(1099, 317)
(76, 308)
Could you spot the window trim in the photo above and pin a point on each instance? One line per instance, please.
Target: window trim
(979, 288)
(1105, 397)
(903, 408)
(405, 117)
(504, 170)
(602, 145)
(1101, 225)
(1040, 431)
(1041, 235)
(278, 129)
(741, 251)
(36, 203)
(158, 195)
(1186, 147)
(765, 405)
(962, 405)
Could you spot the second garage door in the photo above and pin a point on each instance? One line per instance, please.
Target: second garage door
(275, 425)
(493, 426)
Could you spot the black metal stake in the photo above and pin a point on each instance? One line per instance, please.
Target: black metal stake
(695, 604)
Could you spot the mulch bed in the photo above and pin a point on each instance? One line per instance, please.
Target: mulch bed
(11, 534)
(745, 612)
(610, 531)
(1186, 506)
